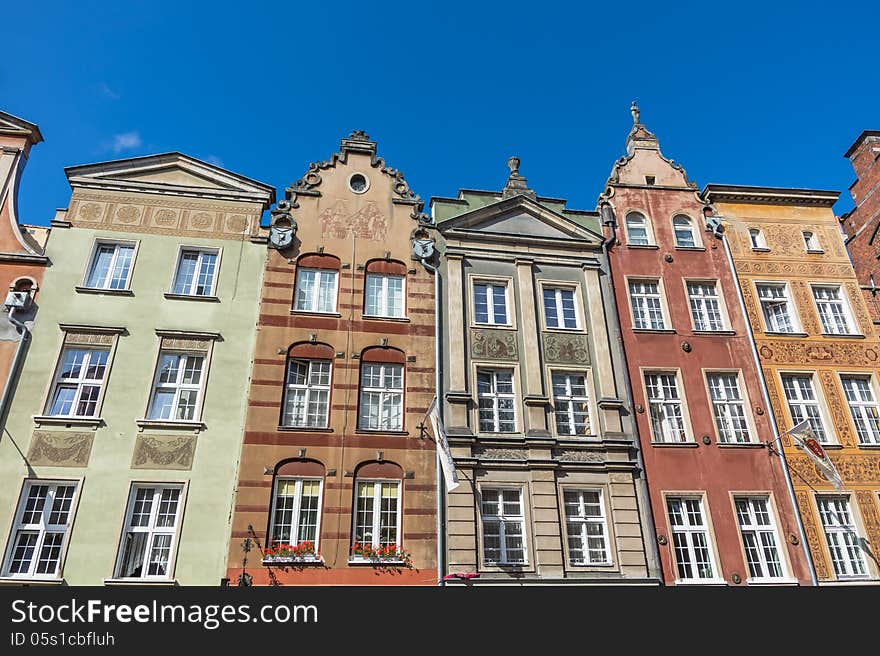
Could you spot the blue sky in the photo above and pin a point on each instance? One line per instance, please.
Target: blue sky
(741, 93)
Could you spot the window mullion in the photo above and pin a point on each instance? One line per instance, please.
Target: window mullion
(377, 514)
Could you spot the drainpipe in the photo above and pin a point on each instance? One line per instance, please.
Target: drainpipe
(766, 396)
(441, 535)
(13, 370)
(654, 563)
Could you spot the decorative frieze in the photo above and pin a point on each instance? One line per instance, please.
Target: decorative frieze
(566, 348)
(185, 344)
(804, 351)
(813, 538)
(870, 517)
(494, 344)
(775, 267)
(366, 223)
(163, 452)
(60, 449)
(487, 453)
(77, 338)
(839, 414)
(854, 469)
(577, 455)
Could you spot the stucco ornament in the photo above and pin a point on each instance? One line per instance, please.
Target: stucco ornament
(494, 344)
(60, 449)
(566, 349)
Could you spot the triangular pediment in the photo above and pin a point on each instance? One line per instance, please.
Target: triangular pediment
(170, 173)
(520, 218)
(14, 125)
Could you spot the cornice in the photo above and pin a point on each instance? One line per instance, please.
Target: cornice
(858, 142)
(716, 193)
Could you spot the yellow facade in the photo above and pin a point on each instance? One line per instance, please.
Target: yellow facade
(781, 257)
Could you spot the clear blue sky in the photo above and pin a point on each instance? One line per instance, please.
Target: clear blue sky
(743, 93)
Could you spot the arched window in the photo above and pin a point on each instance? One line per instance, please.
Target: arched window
(637, 230)
(381, 389)
(683, 227)
(307, 386)
(376, 531)
(317, 281)
(385, 289)
(295, 517)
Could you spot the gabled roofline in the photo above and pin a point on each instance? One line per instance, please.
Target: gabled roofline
(713, 193)
(859, 139)
(24, 127)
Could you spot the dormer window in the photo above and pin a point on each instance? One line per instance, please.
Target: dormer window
(650, 179)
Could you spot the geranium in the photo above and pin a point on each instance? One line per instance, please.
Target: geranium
(385, 553)
(279, 550)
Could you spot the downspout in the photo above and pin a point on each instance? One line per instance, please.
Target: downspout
(441, 534)
(654, 566)
(13, 370)
(766, 396)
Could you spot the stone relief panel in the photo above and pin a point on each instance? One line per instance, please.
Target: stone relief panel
(813, 537)
(857, 303)
(839, 414)
(576, 455)
(88, 339)
(366, 223)
(751, 306)
(868, 506)
(494, 344)
(800, 268)
(60, 448)
(854, 469)
(163, 452)
(487, 453)
(185, 344)
(776, 404)
(800, 352)
(804, 299)
(563, 348)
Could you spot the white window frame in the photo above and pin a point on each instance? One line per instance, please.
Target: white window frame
(558, 306)
(689, 530)
(384, 295)
(724, 407)
(757, 240)
(79, 382)
(194, 283)
(310, 389)
(861, 409)
(503, 520)
(376, 511)
(114, 260)
(386, 395)
(495, 396)
(756, 556)
(843, 302)
(492, 289)
(296, 514)
(786, 299)
(695, 234)
(646, 223)
(811, 243)
(640, 300)
(178, 386)
(568, 399)
(314, 294)
(662, 401)
(697, 303)
(828, 436)
(41, 528)
(152, 530)
(842, 531)
(584, 520)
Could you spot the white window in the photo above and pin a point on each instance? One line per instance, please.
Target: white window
(705, 306)
(842, 537)
(316, 290)
(381, 396)
(490, 304)
(111, 266)
(760, 539)
(647, 306)
(775, 305)
(496, 399)
(690, 539)
(833, 310)
(571, 404)
(296, 511)
(665, 407)
(196, 273)
(384, 295)
(863, 407)
(42, 521)
(812, 242)
(307, 397)
(178, 387)
(559, 308)
(637, 233)
(729, 408)
(684, 232)
(147, 549)
(756, 237)
(586, 527)
(377, 516)
(78, 383)
(803, 403)
(503, 527)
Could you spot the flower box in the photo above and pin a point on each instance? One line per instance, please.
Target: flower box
(387, 555)
(280, 553)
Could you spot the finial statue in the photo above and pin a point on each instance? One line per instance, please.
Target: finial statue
(634, 109)
(513, 165)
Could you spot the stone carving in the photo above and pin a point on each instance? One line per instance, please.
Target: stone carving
(777, 409)
(60, 448)
(777, 267)
(367, 223)
(201, 221)
(127, 215)
(163, 452)
(813, 539)
(566, 348)
(88, 339)
(165, 218)
(799, 352)
(577, 456)
(751, 309)
(185, 344)
(236, 223)
(804, 301)
(857, 303)
(839, 414)
(854, 469)
(90, 212)
(870, 517)
(494, 344)
(499, 454)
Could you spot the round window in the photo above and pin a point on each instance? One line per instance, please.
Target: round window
(358, 183)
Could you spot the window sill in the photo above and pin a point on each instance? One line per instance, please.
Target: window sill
(377, 562)
(779, 581)
(513, 434)
(191, 297)
(379, 431)
(649, 247)
(145, 582)
(103, 292)
(862, 580)
(558, 329)
(374, 317)
(293, 560)
(309, 313)
(869, 446)
(773, 333)
(714, 332)
(701, 582)
(760, 250)
(169, 423)
(690, 248)
(843, 336)
(24, 580)
(59, 420)
(676, 445)
(740, 445)
(833, 447)
(660, 331)
(816, 252)
(493, 326)
(303, 429)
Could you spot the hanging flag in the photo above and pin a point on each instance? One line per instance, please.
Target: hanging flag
(805, 439)
(449, 473)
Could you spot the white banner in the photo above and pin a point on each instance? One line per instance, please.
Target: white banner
(446, 464)
(804, 438)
